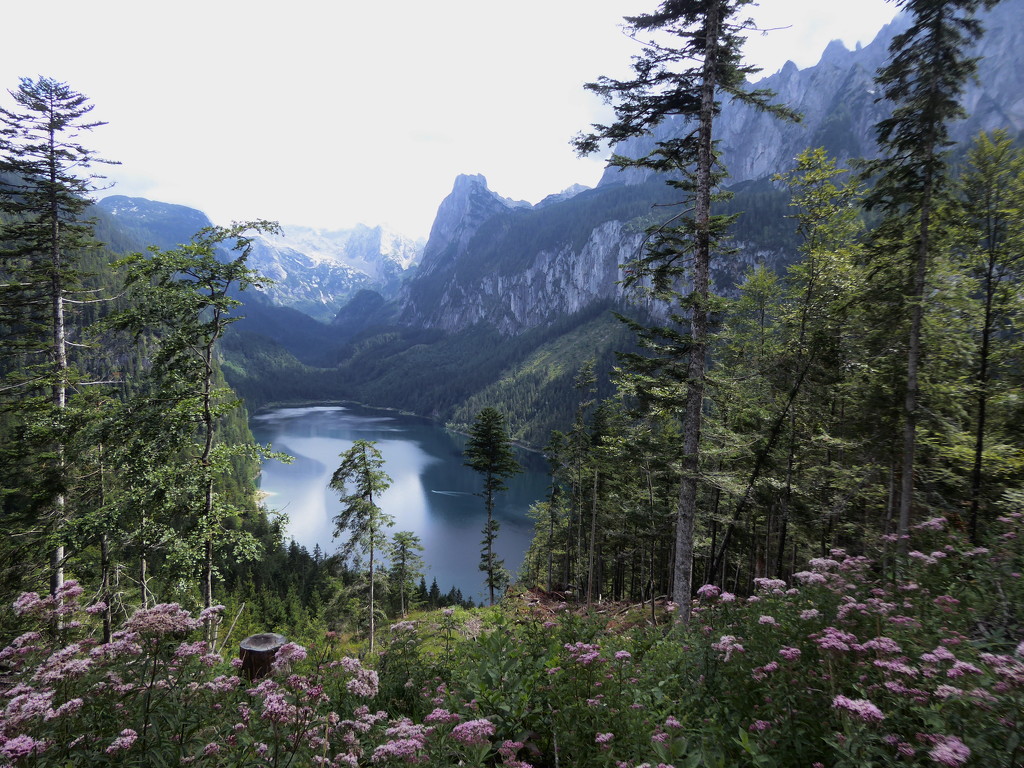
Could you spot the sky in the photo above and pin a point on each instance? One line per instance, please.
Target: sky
(331, 113)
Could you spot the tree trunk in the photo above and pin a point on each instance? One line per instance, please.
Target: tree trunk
(694, 407)
(60, 355)
(593, 543)
(982, 384)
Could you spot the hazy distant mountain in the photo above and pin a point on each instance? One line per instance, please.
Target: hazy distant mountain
(314, 271)
(317, 271)
(149, 222)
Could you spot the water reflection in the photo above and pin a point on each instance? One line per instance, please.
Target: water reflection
(432, 494)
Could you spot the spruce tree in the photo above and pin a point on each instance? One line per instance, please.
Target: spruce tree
(187, 297)
(689, 64)
(406, 565)
(489, 452)
(45, 189)
(991, 198)
(360, 478)
(926, 74)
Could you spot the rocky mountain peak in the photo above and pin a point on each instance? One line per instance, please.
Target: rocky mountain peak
(470, 203)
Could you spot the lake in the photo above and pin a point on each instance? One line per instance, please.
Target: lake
(432, 493)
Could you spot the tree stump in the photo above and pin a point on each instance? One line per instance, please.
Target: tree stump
(257, 654)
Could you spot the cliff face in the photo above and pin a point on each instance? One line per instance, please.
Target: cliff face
(555, 283)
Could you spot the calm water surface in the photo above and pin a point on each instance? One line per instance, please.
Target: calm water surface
(432, 494)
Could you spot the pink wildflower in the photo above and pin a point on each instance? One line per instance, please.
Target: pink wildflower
(122, 742)
(22, 746)
(440, 715)
(759, 725)
(961, 668)
(832, 639)
(67, 708)
(211, 614)
(584, 654)
(163, 619)
(771, 586)
(404, 750)
(286, 654)
(949, 750)
(604, 738)
(727, 645)
(789, 654)
(474, 733)
(708, 592)
(822, 563)
(769, 620)
(862, 708)
(882, 645)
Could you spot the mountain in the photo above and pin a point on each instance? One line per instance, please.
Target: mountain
(515, 268)
(505, 300)
(317, 272)
(839, 107)
(136, 223)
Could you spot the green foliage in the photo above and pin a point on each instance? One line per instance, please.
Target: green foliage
(489, 453)
(359, 479)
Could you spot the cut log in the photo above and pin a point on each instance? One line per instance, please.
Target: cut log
(257, 654)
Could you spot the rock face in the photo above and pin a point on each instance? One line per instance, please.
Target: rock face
(459, 216)
(555, 283)
(489, 260)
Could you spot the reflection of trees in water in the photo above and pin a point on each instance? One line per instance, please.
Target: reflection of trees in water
(417, 452)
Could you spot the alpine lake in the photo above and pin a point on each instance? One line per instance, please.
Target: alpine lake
(432, 493)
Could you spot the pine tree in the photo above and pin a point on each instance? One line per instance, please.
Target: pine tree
(686, 75)
(991, 192)
(362, 468)
(489, 452)
(924, 79)
(45, 187)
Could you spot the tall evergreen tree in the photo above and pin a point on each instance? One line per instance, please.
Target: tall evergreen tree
(407, 565)
(361, 469)
(45, 187)
(991, 191)
(924, 79)
(489, 452)
(692, 61)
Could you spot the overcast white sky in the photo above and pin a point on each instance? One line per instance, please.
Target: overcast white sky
(329, 113)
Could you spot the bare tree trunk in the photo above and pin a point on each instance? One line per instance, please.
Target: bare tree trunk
(696, 374)
(593, 544)
(982, 378)
(60, 360)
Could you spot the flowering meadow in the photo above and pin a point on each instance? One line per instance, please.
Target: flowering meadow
(911, 659)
